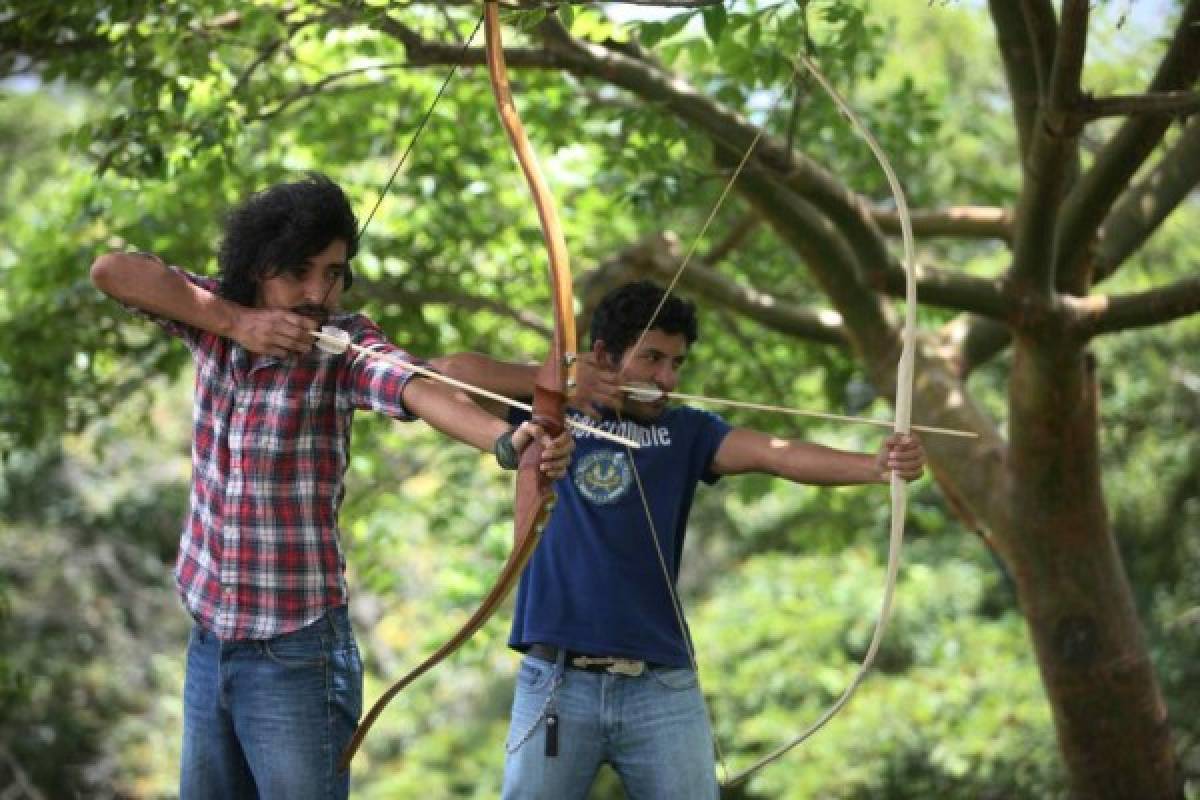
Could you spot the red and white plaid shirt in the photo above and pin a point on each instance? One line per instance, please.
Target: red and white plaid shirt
(260, 553)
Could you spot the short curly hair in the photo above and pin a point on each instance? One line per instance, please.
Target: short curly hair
(626, 311)
(279, 229)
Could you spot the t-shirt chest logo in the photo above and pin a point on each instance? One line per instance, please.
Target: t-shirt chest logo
(603, 476)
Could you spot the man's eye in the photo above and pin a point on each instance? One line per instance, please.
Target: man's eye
(292, 272)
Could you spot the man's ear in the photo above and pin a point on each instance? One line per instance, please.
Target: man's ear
(600, 353)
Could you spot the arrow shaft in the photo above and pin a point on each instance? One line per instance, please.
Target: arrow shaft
(799, 412)
(466, 387)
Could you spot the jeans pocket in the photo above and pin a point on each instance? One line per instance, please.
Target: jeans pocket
(534, 674)
(531, 700)
(676, 679)
(346, 682)
(302, 648)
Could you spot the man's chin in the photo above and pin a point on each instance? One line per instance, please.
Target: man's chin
(644, 412)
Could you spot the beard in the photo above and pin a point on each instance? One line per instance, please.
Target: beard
(643, 412)
(318, 313)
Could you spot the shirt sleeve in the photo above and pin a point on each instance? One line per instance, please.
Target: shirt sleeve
(375, 384)
(711, 431)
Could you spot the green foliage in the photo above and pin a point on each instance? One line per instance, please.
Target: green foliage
(159, 117)
(90, 605)
(954, 709)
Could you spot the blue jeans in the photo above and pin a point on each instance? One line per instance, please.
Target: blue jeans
(652, 729)
(268, 719)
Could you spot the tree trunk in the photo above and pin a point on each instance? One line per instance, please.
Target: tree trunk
(1109, 713)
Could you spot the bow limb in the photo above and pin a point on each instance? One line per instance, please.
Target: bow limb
(535, 496)
(902, 423)
(556, 375)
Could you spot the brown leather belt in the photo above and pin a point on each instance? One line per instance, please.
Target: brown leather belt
(615, 665)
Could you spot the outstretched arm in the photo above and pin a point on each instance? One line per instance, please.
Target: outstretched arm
(452, 412)
(745, 450)
(502, 377)
(596, 384)
(145, 282)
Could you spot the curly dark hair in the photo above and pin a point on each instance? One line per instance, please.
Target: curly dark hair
(279, 229)
(627, 310)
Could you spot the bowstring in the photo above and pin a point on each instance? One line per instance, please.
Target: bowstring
(421, 126)
(412, 141)
(673, 594)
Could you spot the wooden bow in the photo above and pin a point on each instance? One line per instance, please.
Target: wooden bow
(534, 494)
(902, 423)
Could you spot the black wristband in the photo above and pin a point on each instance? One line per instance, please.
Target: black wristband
(506, 454)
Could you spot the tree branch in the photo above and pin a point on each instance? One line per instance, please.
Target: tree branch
(1144, 206)
(768, 310)
(730, 132)
(659, 256)
(552, 4)
(422, 52)
(1177, 103)
(970, 342)
(985, 297)
(328, 84)
(1049, 166)
(1020, 54)
(958, 222)
(1118, 161)
(1097, 314)
(1063, 91)
(734, 239)
(870, 323)
(657, 86)
(385, 292)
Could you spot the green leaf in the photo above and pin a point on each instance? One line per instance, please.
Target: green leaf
(715, 20)
(651, 33)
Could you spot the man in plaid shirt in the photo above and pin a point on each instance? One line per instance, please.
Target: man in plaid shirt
(274, 681)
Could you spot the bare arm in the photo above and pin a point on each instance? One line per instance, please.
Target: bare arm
(452, 412)
(145, 282)
(595, 384)
(746, 450)
(508, 379)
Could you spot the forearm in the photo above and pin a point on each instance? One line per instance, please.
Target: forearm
(745, 451)
(148, 284)
(501, 377)
(511, 380)
(453, 413)
(817, 465)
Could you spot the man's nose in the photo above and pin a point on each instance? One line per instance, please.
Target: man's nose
(314, 290)
(666, 376)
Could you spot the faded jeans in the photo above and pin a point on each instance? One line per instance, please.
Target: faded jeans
(268, 719)
(652, 729)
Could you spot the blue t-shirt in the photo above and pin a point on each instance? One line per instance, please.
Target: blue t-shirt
(595, 583)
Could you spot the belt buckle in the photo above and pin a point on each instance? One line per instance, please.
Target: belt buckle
(627, 666)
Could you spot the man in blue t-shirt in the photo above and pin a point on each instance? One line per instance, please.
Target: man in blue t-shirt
(609, 672)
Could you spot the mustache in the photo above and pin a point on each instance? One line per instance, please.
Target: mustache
(318, 313)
